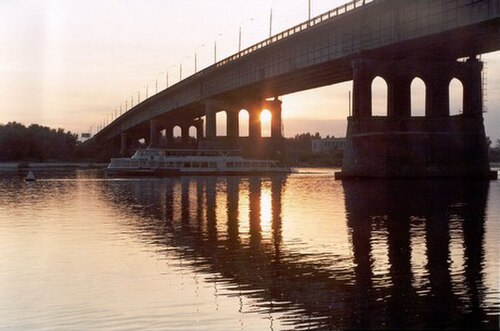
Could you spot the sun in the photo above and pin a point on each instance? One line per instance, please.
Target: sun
(265, 116)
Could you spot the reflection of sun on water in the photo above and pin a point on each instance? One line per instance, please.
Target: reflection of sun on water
(266, 211)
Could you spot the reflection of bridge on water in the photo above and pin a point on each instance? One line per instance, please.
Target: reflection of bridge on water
(183, 213)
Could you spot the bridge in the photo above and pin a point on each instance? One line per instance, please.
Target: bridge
(394, 39)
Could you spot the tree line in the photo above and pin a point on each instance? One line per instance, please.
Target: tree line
(35, 143)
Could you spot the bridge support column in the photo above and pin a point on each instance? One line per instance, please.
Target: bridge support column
(198, 124)
(232, 123)
(169, 135)
(276, 124)
(210, 116)
(123, 143)
(154, 133)
(473, 96)
(398, 145)
(254, 125)
(185, 134)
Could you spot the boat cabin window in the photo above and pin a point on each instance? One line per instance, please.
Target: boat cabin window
(178, 164)
(230, 164)
(255, 164)
(187, 165)
(237, 165)
(195, 165)
(161, 164)
(212, 165)
(204, 165)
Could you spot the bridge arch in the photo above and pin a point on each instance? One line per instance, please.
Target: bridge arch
(221, 124)
(456, 94)
(418, 97)
(379, 88)
(266, 119)
(193, 132)
(243, 123)
(177, 131)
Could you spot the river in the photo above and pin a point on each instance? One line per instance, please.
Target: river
(297, 252)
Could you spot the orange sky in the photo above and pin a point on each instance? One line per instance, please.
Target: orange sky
(71, 63)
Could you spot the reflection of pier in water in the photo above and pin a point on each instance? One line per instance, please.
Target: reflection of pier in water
(434, 217)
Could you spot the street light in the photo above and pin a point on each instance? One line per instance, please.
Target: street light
(271, 19)
(196, 58)
(239, 35)
(156, 81)
(180, 67)
(166, 74)
(309, 9)
(215, 48)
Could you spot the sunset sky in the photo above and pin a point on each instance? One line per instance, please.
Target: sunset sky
(71, 63)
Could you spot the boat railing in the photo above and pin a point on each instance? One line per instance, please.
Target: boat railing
(194, 152)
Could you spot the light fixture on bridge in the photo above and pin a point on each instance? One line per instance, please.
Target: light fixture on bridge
(271, 19)
(215, 48)
(196, 58)
(239, 35)
(166, 74)
(180, 67)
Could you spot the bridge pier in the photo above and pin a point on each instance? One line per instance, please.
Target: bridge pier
(154, 133)
(254, 145)
(124, 142)
(398, 145)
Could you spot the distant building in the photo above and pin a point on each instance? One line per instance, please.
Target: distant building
(328, 145)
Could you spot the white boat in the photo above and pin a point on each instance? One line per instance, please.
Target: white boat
(164, 162)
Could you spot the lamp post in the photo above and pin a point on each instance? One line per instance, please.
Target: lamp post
(166, 74)
(156, 82)
(196, 58)
(215, 48)
(271, 19)
(309, 9)
(180, 68)
(239, 35)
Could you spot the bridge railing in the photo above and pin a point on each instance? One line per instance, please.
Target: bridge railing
(291, 31)
(354, 4)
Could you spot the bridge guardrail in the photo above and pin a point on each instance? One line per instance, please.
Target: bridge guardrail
(295, 29)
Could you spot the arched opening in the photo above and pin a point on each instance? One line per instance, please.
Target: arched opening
(221, 124)
(456, 97)
(379, 97)
(243, 123)
(163, 137)
(177, 131)
(418, 91)
(193, 131)
(265, 123)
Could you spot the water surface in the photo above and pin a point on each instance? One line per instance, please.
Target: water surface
(81, 252)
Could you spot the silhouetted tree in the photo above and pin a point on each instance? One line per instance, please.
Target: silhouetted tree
(35, 142)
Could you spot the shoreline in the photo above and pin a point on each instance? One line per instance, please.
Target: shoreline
(51, 165)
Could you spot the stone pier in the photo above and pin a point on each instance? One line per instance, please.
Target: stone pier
(401, 146)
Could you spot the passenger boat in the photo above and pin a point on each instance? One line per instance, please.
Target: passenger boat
(164, 162)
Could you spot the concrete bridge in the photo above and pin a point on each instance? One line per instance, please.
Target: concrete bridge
(397, 40)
